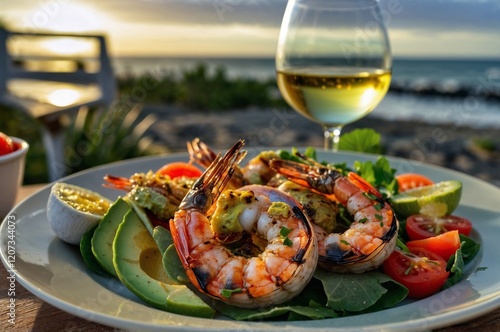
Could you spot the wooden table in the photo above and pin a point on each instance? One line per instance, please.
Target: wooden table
(32, 314)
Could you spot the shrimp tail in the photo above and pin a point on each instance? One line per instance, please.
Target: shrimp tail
(200, 153)
(212, 182)
(315, 177)
(117, 182)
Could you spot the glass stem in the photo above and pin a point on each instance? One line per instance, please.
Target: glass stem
(332, 138)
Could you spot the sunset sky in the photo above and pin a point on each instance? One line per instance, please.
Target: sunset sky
(428, 28)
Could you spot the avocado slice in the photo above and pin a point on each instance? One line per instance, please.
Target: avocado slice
(138, 264)
(87, 254)
(102, 241)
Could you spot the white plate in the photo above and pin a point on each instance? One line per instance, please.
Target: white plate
(55, 272)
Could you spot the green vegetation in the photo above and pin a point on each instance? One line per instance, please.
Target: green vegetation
(100, 136)
(197, 89)
(485, 144)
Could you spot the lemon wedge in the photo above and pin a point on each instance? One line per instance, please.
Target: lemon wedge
(73, 210)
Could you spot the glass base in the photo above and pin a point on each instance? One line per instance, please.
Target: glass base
(332, 138)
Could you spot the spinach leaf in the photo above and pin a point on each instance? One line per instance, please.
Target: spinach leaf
(456, 267)
(285, 312)
(309, 304)
(469, 248)
(467, 251)
(355, 293)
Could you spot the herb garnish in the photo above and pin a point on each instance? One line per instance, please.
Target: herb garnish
(228, 292)
(284, 232)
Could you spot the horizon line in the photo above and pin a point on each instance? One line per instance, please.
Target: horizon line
(402, 57)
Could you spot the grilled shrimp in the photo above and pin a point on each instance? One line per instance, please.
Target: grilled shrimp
(288, 255)
(257, 170)
(155, 192)
(372, 236)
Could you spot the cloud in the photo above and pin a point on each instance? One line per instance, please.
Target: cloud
(429, 14)
(424, 27)
(467, 15)
(251, 26)
(244, 12)
(459, 43)
(180, 40)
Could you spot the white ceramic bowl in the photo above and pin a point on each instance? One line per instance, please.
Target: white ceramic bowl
(11, 175)
(67, 222)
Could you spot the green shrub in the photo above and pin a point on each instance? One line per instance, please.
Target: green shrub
(486, 144)
(198, 89)
(100, 136)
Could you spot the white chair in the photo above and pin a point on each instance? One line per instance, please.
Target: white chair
(30, 83)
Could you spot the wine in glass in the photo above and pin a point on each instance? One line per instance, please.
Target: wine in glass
(333, 61)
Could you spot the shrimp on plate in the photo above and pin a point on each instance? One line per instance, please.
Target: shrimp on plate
(209, 218)
(317, 207)
(256, 171)
(370, 239)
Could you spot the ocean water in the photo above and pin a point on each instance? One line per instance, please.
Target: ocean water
(462, 92)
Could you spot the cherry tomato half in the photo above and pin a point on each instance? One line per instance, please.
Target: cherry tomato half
(179, 169)
(421, 271)
(408, 181)
(6, 144)
(420, 226)
(444, 245)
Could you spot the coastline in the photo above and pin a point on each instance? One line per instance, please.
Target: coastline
(469, 150)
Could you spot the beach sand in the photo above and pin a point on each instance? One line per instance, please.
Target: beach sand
(444, 145)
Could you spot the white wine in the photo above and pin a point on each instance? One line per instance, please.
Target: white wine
(333, 96)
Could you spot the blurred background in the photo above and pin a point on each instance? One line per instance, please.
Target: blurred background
(215, 59)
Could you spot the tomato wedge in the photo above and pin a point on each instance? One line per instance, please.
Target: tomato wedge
(421, 226)
(421, 271)
(408, 181)
(6, 144)
(444, 245)
(179, 169)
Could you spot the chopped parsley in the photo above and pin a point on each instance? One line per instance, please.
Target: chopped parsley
(284, 232)
(228, 292)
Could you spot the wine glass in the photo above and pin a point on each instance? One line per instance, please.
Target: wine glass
(333, 62)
